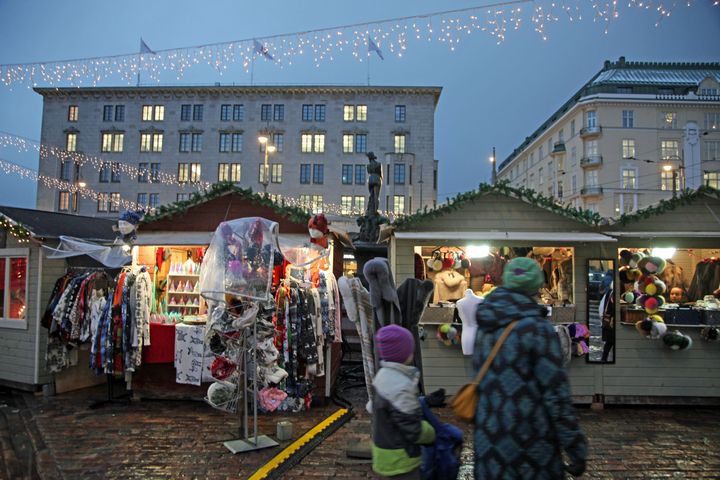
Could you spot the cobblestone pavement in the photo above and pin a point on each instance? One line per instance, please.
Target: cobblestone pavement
(60, 438)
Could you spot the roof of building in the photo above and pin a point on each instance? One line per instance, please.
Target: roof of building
(42, 224)
(643, 77)
(248, 89)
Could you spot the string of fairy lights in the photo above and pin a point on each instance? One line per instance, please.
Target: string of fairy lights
(392, 36)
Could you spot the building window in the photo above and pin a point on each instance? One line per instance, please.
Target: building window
(625, 203)
(313, 142)
(154, 172)
(572, 128)
(151, 142)
(712, 120)
(276, 173)
(143, 173)
(71, 142)
(152, 113)
(712, 179)
(278, 113)
(154, 200)
(238, 112)
(399, 174)
(709, 92)
(361, 113)
(197, 113)
(592, 119)
(231, 142)
(265, 112)
(235, 172)
(541, 153)
(318, 174)
(361, 143)
(573, 185)
(115, 172)
(359, 203)
(64, 201)
(65, 170)
(195, 172)
(307, 113)
(279, 141)
(346, 204)
(73, 113)
(119, 113)
(348, 142)
(541, 179)
(319, 113)
(628, 119)
(669, 149)
(316, 203)
(347, 174)
(628, 148)
(104, 172)
(224, 142)
(225, 113)
(112, 142)
(142, 199)
(181, 197)
(108, 113)
(306, 143)
(398, 204)
(304, 173)
(711, 151)
(573, 157)
(115, 202)
(319, 143)
(13, 288)
(223, 172)
(400, 113)
(348, 113)
(399, 143)
(666, 181)
(360, 172)
(102, 205)
(669, 120)
(237, 142)
(185, 112)
(196, 142)
(560, 189)
(591, 148)
(591, 178)
(114, 111)
(629, 178)
(183, 172)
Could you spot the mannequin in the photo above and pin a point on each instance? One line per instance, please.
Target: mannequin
(466, 308)
(449, 286)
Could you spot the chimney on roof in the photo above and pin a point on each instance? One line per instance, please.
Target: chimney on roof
(621, 61)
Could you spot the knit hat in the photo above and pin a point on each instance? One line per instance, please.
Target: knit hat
(394, 343)
(524, 275)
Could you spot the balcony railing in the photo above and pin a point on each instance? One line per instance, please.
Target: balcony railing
(590, 131)
(589, 191)
(558, 149)
(591, 161)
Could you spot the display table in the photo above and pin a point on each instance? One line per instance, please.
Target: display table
(673, 316)
(162, 344)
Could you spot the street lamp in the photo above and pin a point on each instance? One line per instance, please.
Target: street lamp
(268, 150)
(494, 167)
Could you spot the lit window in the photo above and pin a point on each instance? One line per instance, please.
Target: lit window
(64, 201)
(669, 150)
(348, 143)
(183, 172)
(317, 203)
(359, 204)
(319, 143)
(346, 204)
(669, 120)
(400, 113)
(276, 173)
(304, 201)
(13, 289)
(223, 172)
(71, 142)
(102, 205)
(151, 142)
(628, 148)
(666, 181)
(398, 204)
(115, 202)
(400, 143)
(712, 120)
(712, 179)
(147, 113)
(112, 142)
(235, 171)
(361, 113)
(73, 113)
(348, 113)
(195, 169)
(306, 144)
(629, 178)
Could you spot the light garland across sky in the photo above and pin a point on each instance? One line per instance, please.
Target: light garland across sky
(392, 35)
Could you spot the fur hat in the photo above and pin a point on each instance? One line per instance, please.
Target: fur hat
(394, 343)
(676, 340)
(524, 275)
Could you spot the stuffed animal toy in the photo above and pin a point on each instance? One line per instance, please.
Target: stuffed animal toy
(677, 340)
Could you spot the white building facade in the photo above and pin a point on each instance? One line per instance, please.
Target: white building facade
(626, 139)
(158, 145)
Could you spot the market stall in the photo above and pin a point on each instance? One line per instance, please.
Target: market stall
(463, 246)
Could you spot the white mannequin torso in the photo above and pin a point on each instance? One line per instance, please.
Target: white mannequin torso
(466, 308)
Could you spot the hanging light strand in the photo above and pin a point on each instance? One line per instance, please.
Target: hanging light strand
(324, 45)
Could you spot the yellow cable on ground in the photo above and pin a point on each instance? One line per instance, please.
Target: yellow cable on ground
(283, 456)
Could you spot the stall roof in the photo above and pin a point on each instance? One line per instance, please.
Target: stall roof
(551, 237)
(199, 238)
(51, 225)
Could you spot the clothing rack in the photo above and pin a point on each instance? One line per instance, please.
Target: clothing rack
(122, 399)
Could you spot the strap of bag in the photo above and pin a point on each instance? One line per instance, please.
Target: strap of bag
(494, 352)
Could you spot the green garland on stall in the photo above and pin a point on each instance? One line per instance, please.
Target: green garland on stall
(503, 187)
(686, 197)
(219, 189)
(18, 230)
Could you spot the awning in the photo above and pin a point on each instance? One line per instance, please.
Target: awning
(714, 234)
(550, 237)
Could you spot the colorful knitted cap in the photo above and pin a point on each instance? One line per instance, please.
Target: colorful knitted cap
(394, 343)
(524, 275)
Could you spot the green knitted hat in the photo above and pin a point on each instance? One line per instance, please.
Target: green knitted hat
(524, 275)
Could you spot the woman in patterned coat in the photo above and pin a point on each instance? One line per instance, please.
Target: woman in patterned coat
(525, 419)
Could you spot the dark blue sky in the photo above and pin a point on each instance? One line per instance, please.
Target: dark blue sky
(493, 95)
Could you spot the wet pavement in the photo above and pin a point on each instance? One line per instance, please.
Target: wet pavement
(61, 438)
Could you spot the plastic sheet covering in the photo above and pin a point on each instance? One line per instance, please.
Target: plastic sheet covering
(110, 256)
(239, 260)
(301, 254)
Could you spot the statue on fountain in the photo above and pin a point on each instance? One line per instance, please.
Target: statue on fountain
(370, 222)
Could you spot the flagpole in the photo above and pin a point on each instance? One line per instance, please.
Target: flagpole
(368, 69)
(252, 69)
(138, 62)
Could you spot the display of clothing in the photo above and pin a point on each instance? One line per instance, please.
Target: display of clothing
(414, 296)
(673, 276)
(449, 285)
(706, 279)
